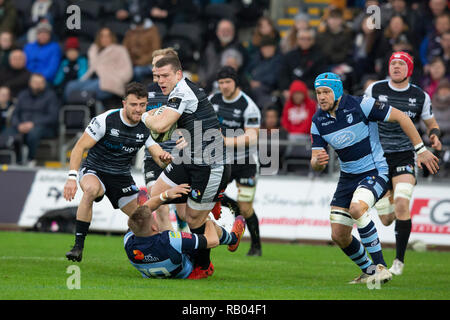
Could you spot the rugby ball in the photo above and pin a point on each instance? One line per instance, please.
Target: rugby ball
(163, 136)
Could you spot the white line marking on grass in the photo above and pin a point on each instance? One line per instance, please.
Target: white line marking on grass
(31, 258)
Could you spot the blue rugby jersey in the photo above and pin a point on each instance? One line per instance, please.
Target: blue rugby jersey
(353, 134)
(163, 255)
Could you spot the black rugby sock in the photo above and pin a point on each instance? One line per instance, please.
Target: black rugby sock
(231, 204)
(81, 231)
(402, 232)
(202, 258)
(253, 229)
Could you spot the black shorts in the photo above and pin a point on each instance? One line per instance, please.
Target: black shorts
(207, 184)
(120, 189)
(244, 174)
(401, 163)
(151, 171)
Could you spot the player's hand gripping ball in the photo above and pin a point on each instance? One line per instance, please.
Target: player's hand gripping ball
(163, 136)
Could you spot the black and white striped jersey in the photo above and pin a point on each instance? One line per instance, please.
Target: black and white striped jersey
(117, 142)
(235, 116)
(157, 99)
(199, 123)
(412, 100)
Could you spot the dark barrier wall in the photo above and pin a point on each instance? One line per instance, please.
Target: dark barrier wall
(14, 188)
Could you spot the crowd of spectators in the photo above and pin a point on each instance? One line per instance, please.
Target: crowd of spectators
(44, 63)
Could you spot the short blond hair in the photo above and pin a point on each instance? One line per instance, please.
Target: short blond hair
(169, 51)
(139, 219)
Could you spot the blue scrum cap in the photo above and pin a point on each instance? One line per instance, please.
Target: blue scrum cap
(332, 81)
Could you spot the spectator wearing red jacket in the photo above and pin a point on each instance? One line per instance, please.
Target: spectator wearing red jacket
(298, 110)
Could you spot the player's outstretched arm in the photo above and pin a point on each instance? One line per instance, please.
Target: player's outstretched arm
(175, 192)
(249, 138)
(319, 159)
(83, 144)
(424, 157)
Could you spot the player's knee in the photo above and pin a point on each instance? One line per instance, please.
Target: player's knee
(246, 209)
(91, 191)
(402, 208)
(341, 237)
(387, 219)
(356, 210)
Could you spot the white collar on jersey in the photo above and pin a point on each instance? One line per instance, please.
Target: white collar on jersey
(232, 100)
(125, 121)
(396, 89)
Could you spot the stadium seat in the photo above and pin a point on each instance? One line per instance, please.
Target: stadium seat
(186, 39)
(7, 156)
(298, 154)
(73, 119)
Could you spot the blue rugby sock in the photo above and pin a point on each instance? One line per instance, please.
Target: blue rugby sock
(370, 240)
(355, 251)
(228, 238)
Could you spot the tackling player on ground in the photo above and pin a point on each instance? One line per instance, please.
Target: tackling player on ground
(349, 125)
(160, 253)
(398, 149)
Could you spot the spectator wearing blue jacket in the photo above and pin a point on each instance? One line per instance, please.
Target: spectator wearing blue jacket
(43, 55)
(72, 67)
(35, 115)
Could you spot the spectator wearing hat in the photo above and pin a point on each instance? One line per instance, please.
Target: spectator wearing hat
(43, 55)
(263, 70)
(72, 67)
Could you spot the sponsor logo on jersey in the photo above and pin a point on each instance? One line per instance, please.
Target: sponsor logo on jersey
(410, 114)
(343, 139)
(195, 194)
(138, 255)
(412, 102)
(324, 124)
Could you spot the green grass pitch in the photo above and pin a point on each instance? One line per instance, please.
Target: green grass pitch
(33, 266)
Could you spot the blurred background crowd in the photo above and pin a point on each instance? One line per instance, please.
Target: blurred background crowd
(47, 61)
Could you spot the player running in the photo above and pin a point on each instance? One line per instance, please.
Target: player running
(398, 149)
(111, 139)
(349, 125)
(240, 121)
(202, 165)
(152, 170)
(159, 253)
